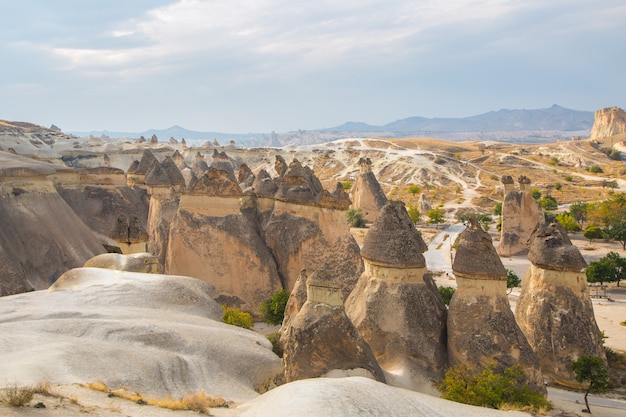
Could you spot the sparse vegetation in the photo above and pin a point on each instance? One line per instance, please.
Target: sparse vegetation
(414, 213)
(596, 169)
(17, 396)
(568, 178)
(355, 218)
(535, 193)
(593, 370)
(446, 294)
(548, 202)
(609, 268)
(238, 318)
(346, 185)
(436, 216)
(414, 189)
(512, 280)
(592, 232)
(274, 339)
(553, 161)
(491, 387)
(273, 309)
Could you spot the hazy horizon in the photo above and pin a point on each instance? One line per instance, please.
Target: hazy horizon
(277, 65)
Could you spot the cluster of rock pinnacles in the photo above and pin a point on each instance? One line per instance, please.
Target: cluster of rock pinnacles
(381, 314)
(401, 321)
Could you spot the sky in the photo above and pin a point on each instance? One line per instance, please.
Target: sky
(239, 66)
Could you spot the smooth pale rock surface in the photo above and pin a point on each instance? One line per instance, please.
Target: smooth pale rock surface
(136, 262)
(155, 334)
(608, 122)
(357, 396)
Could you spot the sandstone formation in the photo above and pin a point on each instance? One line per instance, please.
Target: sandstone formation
(481, 325)
(520, 215)
(296, 300)
(366, 192)
(155, 334)
(250, 245)
(396, 306)
(41, 237)
(608, 122)
(164, 183)
(554, 309)
(424, 204)
(136, 262)
(321, 338)
(105, 203)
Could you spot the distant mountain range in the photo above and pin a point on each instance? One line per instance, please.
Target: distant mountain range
(539, 125)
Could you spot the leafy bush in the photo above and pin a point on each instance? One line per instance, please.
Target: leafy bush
(512, 280)
(17, 396)
(273, 309)
(414, 189)
(237, 317)
(548, 203)
(592, 369)
(346, 185)
(592, 232)
(491, 387)
(535, 193)
(553, 161)
(446, 294)
(596, 169)
(568, 178)
(355, 218)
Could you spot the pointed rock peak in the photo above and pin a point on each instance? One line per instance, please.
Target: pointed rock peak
(132, 169)
(164, 174)
(220, 155)
(550, 248)
(244, 172)
(199, 157)
(147, 159)
(216, 182)
(507, 179)
(280, 166)
(476, 256)
(393, 240)
(264, 185)
(173, 172)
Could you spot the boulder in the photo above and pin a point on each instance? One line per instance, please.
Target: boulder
(321, 338)
(481, 326)
(396, 306)
(554, 309)
(136, 262)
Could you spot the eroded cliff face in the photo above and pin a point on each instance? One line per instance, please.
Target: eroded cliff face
(608, 122)
(41, 237)
(366, 192)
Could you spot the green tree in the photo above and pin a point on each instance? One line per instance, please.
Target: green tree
(414, 189)
(617, 232)
(446, 294)
(609, 268)
(568, 222)
(548, 202)
(490, 387)
(592, 232)
(436, 216)
(535, 193)
(414, 213)
(579, 213)
(273, 309)
(497, 210)
(512, 280)
(593, 370)
(355, 218)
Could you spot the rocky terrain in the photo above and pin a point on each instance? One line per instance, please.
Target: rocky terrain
(246, 222)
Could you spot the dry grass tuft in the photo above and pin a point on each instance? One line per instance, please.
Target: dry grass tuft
(17, 396)
(199, 402)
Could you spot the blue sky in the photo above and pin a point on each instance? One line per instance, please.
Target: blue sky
(260, 65)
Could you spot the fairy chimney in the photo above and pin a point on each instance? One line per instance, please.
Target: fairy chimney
(520, 215)
(321, 340)
(481, 325)
(366, 193)
(554, 309)
(395, 304)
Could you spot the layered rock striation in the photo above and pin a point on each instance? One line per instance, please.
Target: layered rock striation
(41, 237)
(395, 304)
(608, 122)
(554, 309)
(481, 325)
